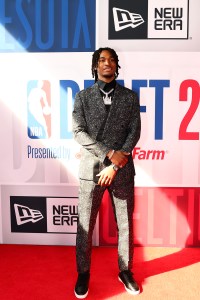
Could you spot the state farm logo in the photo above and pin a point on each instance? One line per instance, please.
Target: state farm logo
(142, 154)
(24, 214)
(148, 19)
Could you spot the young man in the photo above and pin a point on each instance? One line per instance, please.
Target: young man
(106, 123)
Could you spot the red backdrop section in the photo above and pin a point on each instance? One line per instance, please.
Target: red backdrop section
(163, 216)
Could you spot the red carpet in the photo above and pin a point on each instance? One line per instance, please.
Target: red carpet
(48, 272)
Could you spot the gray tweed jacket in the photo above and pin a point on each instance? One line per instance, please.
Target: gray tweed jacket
(121, 130)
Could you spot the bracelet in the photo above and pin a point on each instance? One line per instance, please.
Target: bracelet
(115, 167)
(111, 155)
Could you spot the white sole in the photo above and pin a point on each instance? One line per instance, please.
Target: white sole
(81, 296)
(129, 291)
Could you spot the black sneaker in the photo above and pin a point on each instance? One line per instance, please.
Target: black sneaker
(126, 277)
(81, 287)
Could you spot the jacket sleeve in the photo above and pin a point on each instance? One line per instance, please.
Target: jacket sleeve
(134, 127)
(80, 132)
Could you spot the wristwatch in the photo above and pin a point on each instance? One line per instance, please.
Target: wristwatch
(115, 167)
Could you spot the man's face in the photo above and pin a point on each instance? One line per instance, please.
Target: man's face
(106, 67)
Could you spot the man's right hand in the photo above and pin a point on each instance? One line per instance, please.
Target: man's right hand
(120, 158)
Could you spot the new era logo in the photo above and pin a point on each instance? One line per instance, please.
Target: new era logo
(28, 214)
(128, 19)
(25, 214)
(148, 19)
(124, 19)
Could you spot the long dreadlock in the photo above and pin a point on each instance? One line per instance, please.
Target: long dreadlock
(95, 59)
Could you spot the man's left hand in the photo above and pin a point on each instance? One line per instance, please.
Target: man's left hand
(106, 176)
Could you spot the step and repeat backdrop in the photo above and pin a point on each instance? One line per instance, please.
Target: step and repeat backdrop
(46, 48)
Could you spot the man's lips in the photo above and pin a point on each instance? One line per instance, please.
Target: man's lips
(107, 69)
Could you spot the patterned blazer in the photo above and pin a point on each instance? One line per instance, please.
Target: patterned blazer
(121, 130)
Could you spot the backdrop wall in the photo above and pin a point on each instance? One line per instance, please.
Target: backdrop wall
(44, 62)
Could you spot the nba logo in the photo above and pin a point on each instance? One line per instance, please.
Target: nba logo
(39, 109)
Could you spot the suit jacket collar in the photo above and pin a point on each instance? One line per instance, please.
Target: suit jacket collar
(106, 86)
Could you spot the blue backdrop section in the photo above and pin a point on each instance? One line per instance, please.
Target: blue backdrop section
(47, 26)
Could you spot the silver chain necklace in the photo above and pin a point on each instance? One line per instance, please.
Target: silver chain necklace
(106, 99)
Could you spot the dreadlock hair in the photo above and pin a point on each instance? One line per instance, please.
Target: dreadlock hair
(95, 59)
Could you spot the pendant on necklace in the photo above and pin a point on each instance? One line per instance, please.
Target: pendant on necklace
(106, 98)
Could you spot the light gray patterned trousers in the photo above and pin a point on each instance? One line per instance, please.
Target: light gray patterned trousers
(90, 196)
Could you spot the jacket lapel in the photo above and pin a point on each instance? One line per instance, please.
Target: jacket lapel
(98, 101)
(97, 111)
(114, 107)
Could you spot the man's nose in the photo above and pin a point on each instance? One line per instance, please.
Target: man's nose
(107, 61)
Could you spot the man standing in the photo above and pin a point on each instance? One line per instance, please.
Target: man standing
(106, 123)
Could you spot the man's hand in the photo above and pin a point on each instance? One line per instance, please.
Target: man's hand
(120, 158)
(106, 176)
